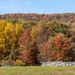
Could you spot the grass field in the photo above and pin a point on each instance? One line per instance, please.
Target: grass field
(37, 70)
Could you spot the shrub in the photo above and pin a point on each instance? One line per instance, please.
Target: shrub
(18, 62)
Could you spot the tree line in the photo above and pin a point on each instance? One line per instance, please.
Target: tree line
(29, 43)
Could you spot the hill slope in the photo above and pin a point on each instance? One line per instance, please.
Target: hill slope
(66, 17)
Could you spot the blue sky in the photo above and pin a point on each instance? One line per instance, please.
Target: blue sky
(37, 6)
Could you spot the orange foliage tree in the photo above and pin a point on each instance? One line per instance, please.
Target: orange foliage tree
(62, 50)
(28, 49)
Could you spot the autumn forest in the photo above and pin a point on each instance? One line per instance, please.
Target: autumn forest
(28, 39)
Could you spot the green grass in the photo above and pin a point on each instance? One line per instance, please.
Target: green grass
(37, 70)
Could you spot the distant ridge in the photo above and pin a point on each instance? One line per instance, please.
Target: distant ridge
(64, 17)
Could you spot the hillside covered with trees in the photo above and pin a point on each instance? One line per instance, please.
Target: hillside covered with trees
(28, 39)
(65, 17)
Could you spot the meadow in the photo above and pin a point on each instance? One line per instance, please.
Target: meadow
(37, 70)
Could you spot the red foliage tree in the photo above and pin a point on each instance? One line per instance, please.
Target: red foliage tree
(61, 49)
(29, 56)
(24, 38)
(28, 49)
